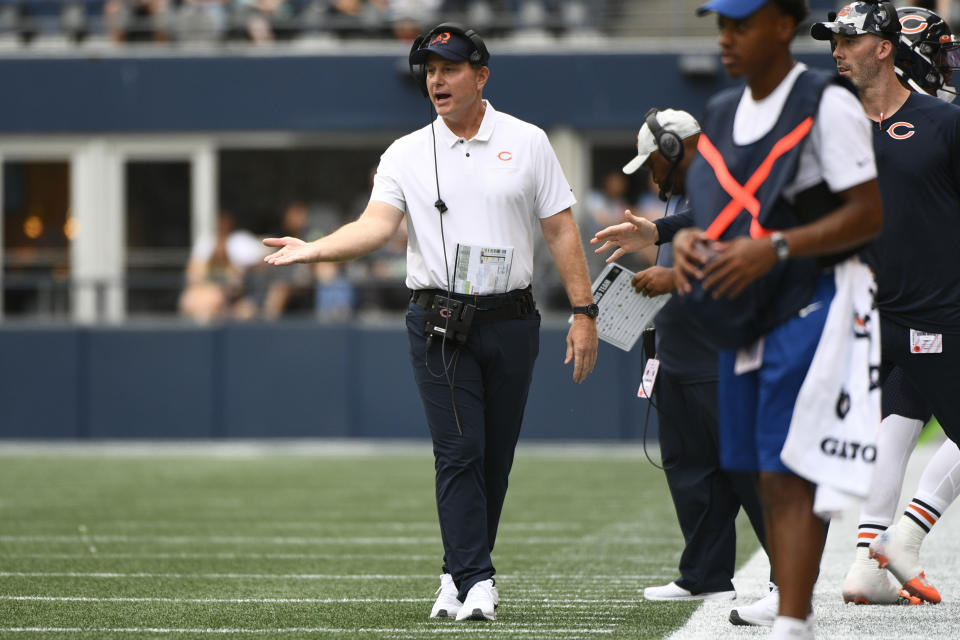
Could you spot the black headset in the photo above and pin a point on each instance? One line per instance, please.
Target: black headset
(668, 143)
(479, 55)
(670, 147)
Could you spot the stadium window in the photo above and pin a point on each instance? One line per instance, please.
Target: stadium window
(157, 203)
(37, 231)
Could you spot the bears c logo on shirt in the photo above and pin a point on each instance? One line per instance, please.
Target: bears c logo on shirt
(900, 130)
(506, 156)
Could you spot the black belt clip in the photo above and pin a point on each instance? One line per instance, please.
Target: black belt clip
(524, 304)
(449, 318)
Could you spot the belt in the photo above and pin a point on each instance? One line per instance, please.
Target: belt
(492, 308)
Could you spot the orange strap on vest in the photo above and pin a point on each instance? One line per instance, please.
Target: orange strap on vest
(742, 196)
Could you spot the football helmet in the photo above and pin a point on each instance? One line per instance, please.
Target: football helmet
(927, 53)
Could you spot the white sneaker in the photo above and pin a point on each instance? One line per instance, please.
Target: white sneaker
(761, 613)
(447, 605)
(899, 555)
(481, 602)
(866, 583)
(673, 591)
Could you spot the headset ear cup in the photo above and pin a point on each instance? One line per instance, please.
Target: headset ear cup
(670, 146)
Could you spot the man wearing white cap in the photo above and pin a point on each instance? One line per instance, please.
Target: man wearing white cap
(707, 498)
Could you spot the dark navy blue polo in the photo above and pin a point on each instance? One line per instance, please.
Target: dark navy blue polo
(916, 256)
(681, 347)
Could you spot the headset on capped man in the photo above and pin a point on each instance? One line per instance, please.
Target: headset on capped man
(669, 145)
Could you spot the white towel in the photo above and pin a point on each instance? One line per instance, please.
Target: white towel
(832, 440)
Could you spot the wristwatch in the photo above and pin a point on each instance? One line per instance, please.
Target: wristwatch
(780, 245)
(591, 310)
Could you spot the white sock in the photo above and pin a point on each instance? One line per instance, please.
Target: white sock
(940, 482)
(911, 529)
(895, 442)
(785, 627)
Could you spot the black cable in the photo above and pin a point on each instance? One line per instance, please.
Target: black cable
(650, 402)
(452, 363)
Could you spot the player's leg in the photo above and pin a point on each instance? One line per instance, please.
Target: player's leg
(899, 547)
(936, 375)
(904, 413)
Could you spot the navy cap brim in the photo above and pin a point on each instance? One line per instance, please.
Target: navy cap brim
(455, 48)
(735, 9)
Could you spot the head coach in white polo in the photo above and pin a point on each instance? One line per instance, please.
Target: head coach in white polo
(479, 178)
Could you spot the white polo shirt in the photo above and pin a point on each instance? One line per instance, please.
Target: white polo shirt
(496, 185)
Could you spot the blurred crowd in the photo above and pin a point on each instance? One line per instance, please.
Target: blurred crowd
(226, 278)
(264, 21)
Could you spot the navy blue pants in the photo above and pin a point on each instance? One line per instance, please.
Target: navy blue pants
(707, 498)
(491, 377)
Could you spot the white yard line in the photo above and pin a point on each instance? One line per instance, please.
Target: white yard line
(446, 629)
(836, 620)
(519, 578)
(548, 603)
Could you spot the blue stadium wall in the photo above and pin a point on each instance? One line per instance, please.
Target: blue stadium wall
(328, 93)
(286, 380)
(297, 380)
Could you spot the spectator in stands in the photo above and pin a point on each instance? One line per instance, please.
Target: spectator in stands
(202, 20)
(215, 274)
(409, 17)
(137, 20)
(264, 20)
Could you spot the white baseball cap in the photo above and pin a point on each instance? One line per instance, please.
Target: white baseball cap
(681, 123)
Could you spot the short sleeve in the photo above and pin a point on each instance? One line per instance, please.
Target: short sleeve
(844, 140)
(553, 192)
(386, 182)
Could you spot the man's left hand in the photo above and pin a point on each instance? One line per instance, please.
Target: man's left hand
(738, 263)
(582, 346)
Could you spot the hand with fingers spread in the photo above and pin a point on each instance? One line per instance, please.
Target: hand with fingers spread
(738, 263)
(654, 281)
(291, 250)
(634, 234)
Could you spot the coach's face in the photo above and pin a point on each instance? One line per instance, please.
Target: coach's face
(745, 44)
(859, 58)
(455, 87)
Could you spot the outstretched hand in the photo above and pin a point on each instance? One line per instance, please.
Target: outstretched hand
(291, 250)
(634, 234)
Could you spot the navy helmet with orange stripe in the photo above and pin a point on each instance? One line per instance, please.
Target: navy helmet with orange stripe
(927, 53)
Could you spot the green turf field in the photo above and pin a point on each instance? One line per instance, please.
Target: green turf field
(322, 543)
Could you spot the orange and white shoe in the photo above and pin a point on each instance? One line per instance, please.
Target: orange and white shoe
(902, 559)
(866, 583)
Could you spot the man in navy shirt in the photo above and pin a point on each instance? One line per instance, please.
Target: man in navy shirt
(917, 146)
(707, 498)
